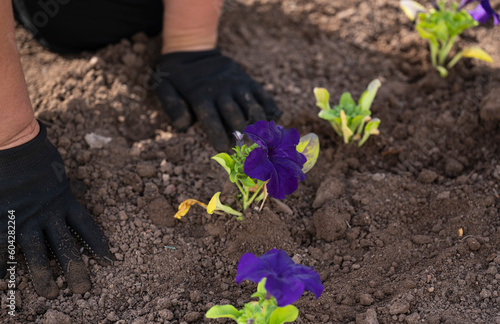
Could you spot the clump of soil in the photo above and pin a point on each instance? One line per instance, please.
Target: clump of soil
(405, 229)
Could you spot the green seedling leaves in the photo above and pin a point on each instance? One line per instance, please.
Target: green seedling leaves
(322, 98)
(440, 27)
(285, 314)
(220, 311)
(225, 161)
(309, 146)
(370, 129)
(348, 119)
(346, 101)
(367, 97)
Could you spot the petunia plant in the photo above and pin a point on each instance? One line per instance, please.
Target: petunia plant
(272, 165)
(351, 121)
(442, 25)
(281, 282)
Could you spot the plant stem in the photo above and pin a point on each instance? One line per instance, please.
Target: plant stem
(244, 192)
(249, 202)
(443, 53)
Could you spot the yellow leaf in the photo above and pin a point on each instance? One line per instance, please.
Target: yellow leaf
(309, 147)
(322, 98)
(346, 132)
(411, 8)
(185, 205)
(214, 202)
(478, 53)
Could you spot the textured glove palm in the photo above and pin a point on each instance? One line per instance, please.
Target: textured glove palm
(34, 188)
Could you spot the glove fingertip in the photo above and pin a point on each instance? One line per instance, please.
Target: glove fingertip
(175, 107)
(106, 260)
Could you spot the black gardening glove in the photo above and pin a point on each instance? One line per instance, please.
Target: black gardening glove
(35, 191)
(211, 88)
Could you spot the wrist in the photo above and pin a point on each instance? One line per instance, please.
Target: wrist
(184, 42)
(20, 137)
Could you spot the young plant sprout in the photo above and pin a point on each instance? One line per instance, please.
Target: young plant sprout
(350, 121)
(441, 26)
(273, 165)
(281, 282)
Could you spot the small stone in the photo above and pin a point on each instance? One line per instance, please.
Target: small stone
(399, 307)
(453, 168)
(370, 317)
(421, 239)
(56, 317)
(112, 317)
(365, 299)
(146, 170)
(178, 170)
(122, 215)
(378, 177)
(96, 141)
(485, 293)
(329, 189)
(282, 207)
(166, 314)
(413, 318)
(191, 317)
(473, 244)
(445, 195)
(427, 176)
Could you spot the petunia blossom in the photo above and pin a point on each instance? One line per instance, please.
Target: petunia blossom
(276, 158)
(286, 281)
(483, 12)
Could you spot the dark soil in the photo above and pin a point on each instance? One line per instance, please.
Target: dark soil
(381, 224)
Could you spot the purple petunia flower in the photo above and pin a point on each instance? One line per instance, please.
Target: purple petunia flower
(276, 158)
(483, 11)
(286, 281)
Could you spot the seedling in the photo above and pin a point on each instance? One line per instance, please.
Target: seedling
(441, 26)
(351, 121)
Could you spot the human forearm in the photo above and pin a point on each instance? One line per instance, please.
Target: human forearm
(17, 122)
(190, 25)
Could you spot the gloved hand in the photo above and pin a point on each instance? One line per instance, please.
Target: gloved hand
(213, 89)
(34, 188)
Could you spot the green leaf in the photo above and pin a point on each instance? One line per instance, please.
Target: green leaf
(370, 129)
(246, 181)
(441, 31)
(346, 101)
(358, 121)
(328, 114)
(285, 314)
(261, 287)
(219, 311)
(225, 160)
(309, 146)
(367, 97)
(322, 98)
(233, 176)
(425, 33)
